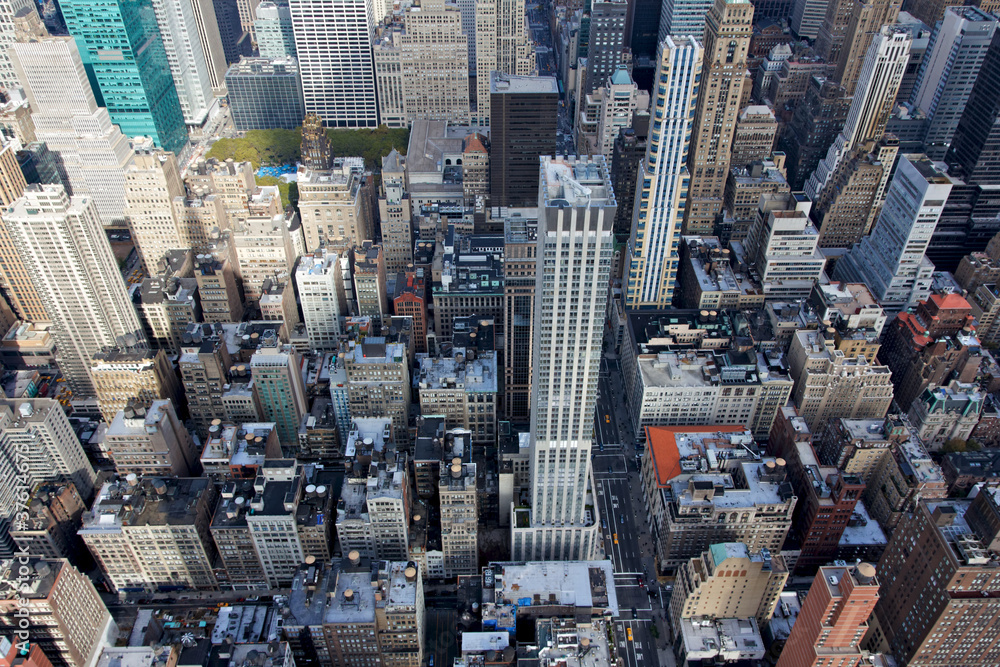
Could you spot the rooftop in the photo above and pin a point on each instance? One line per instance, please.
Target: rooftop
(582, 584)
(731, 638)
(510, 83)
(475, 373)
(862, 529)
(579, 182)
(157, 502)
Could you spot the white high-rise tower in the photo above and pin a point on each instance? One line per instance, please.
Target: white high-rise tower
(662, 186)
(874, 96)
(93, 152)
(576, 211)
(891, 261)
(76, 276)
(333, 39)
(189, 67)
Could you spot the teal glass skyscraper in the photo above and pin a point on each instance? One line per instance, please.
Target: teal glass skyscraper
(122, 49)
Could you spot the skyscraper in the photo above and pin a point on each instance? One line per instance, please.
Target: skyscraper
(186, 55)
(273, 28)
(520, 265)
(123, 50)
(503, 44)
(523, 120)
(265, 94)
(151, 184)
(209, 32)
(93, 152)
(278, 381)
(891, 260)
(606, 42)
(680, 18)
(727, 42)
(974, 154)
(833, 619)
(576, 208)
(955, 53)
(8, 77)
(874, 97)
(653, 258)
(867, 20)
(76, 275)
(333, 39)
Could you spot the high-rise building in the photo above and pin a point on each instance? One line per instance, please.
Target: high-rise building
(236, 43)
(336, 204)
(950, 69)
(204, 363)
(874, 98)
(862, 390)
(420, 66)
(683, 18)
(265, 94)
(186, 56)
(8, 36)
(642, 30)
(410, 300)
(120, 374)
(373, 515)
(378, 383)
(728, 29)
(152, 182)
(503, 45)
(974, 154)
(937, 605)
(65, 616)
(461, 387)
(868, 18)
(620, 98)
(843, 209)
(833, 29)
(688, 515)
(76, 276)
(817, 120)
(39, 430)
(370, 281)
(606, 43)
(807, 17)
(654, 258)
(783, 247)
(209, 28)
(277, 379)
(273, 30)
(137, 90)
(459, 518)
(333, 39)
(394, 212)
(520, 257)
(523, 127)
(93, 153)
(158, 540)
(755, 134)
(151, 441)
(315, 149)
(891, 260)
(626, 157)
(833, 619)
(728, 581)
(576, 215)
(264, 252)
(319, 283)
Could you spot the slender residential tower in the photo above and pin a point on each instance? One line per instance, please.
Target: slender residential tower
(663, 179)
(76, 276)
(576, 212)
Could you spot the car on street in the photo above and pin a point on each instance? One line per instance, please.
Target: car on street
(615, 537)
(628, 633)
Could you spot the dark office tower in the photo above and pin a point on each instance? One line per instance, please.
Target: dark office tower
(520, 264)
(523, 113)
(969, 219)
(771, 9)
(642, 28)
(974, 155)
(606, 43)
(235, 42)
(814, 125)
(265, 94)
(39, 164)
(316, 151)
(630, 148)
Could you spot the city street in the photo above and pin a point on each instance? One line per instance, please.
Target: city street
(625, 529)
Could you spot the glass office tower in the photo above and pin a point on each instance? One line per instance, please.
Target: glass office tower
(122, 49)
